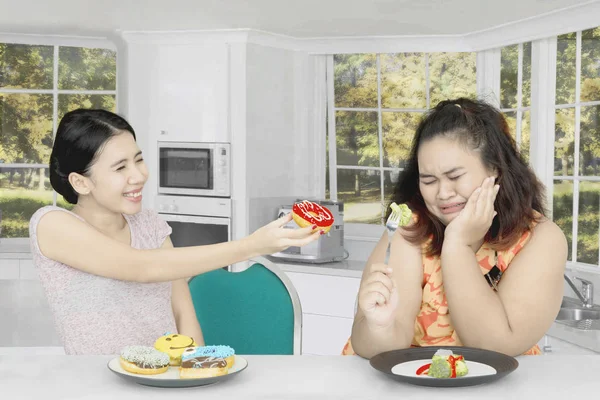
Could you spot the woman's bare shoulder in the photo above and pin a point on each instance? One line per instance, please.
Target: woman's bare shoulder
(548, 235)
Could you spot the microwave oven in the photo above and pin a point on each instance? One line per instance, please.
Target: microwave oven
(194, 168)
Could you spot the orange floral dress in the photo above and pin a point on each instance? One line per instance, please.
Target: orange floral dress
(433, 326)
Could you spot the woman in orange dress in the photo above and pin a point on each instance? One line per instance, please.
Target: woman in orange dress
(479, 265)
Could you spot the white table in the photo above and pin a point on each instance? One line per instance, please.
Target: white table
(292, 377)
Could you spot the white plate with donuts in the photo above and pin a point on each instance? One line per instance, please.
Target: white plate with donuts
(171, 379)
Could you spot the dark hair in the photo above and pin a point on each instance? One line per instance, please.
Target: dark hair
(80, 137)
(481, 127)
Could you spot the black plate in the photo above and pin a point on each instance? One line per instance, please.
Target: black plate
(502, 363)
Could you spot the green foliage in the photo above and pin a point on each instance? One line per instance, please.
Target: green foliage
(403, 91)
(17, 208)
(82, 68)
(26, 119)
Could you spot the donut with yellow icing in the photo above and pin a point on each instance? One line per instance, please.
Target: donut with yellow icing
(174, 345)
(144, 360)
(308, 213)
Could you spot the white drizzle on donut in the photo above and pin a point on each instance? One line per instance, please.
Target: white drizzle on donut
(205, 362)
(313, 213)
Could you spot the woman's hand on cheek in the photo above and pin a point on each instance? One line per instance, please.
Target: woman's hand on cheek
(475, 219)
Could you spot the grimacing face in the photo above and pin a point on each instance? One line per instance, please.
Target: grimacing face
(449, 173)
(118, 175)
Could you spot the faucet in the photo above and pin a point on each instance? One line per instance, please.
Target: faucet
(586, 295)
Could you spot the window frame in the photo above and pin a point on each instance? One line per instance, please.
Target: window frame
(542, 110)
(56, 42)
(519, 110)
(576, 178)
(361, 231)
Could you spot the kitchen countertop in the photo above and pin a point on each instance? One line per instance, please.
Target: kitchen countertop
(347, 268)
(10, 249)
(292, 377)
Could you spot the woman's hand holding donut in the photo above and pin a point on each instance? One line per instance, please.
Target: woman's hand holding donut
(378, 297)
(273, 237)
(475, 219)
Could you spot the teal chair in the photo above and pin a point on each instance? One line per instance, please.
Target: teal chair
(255, 311)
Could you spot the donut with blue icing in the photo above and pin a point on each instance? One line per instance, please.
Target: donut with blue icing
(219, 351)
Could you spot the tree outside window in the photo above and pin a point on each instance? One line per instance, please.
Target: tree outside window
(378, 102)
(38, 85)
(576, 189)
(515, 92)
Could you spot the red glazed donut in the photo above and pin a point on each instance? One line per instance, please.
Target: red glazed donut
(308, 213)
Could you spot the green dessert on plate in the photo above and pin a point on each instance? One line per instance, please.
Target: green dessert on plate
(445, 364)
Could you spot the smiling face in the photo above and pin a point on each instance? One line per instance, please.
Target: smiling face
(118, 175)
(449, 172)
(175, 342)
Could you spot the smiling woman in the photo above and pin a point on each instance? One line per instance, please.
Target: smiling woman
(109, 269)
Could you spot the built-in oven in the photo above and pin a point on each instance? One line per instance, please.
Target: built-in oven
(196, 221)
(194, 169)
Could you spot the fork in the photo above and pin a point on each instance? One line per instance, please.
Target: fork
(391, 225)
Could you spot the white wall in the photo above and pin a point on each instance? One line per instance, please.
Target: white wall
(174, 92)
(280, 140)
(135, 84)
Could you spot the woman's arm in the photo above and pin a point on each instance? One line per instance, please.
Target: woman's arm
(185, 314)
(389, 300)
(183, 307)
(512, 320)
(65, 238)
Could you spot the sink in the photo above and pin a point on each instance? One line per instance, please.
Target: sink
(577, 314)
(574, 314)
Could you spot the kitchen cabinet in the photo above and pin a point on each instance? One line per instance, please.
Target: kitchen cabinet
(191, 101)
(327, 311)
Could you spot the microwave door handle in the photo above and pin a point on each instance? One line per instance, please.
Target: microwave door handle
(197, 219)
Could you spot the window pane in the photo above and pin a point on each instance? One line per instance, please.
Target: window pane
(564, 142)
(80, 68)
(25, 128)
(452, 75)
(509, 67)
(398, 130)
(355, 80)
(565, 68)
(360, 190)
(26, 67)
(526, 89)
(403, 80)
(590, 65)
(588, 222)
(357, 138)
(525, 135)
(562, 209)
(390, 178)
(511, 120)
(327, 193)
(70, 102)
(589, 141)
(22, 192)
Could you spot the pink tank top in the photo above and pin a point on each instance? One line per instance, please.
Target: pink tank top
(97, 315)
